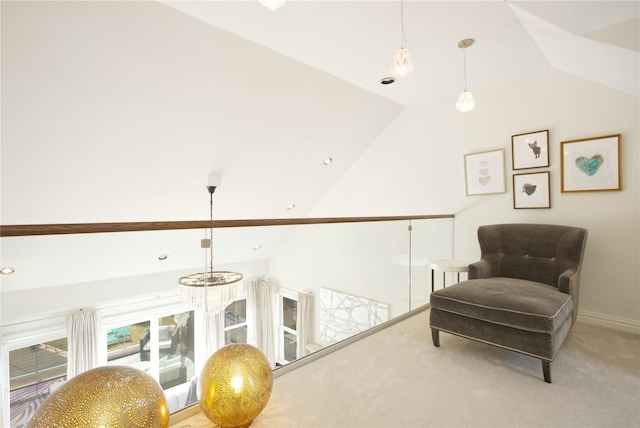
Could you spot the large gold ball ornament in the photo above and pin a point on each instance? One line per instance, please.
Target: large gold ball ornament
(235, 385)
(109, 396)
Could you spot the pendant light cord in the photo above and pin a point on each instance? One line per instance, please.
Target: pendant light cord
(464, 57)
(404, 35)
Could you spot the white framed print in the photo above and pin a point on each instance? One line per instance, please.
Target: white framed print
(530, 150)
(591, 164)
(484, 173)
(531, 190)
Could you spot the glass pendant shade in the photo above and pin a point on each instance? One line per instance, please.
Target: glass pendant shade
(211, 291)
(108, 396)
(272, 4)
(465, 101)
(235, 385)
(402, 64)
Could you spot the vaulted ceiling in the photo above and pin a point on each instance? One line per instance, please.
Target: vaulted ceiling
(354, 40)
(121, 93)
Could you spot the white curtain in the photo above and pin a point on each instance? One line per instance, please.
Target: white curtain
(83, 331)
(261, 301)
(209, 336)
(214, 332)
(304, 323)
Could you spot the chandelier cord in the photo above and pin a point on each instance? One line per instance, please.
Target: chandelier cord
(211, 232)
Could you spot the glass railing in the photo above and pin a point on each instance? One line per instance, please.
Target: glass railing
(355, 274)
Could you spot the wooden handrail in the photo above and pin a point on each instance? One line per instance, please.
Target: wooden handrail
(77, 228)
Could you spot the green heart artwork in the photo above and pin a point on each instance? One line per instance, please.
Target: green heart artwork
(589, 165)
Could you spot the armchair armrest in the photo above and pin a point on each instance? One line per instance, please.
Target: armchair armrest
(568, 282)
(480, 269)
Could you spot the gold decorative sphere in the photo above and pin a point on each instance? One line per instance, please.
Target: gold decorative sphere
(235, 385)
(109, 396)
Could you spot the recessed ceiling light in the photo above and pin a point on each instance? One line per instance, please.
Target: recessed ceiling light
(327, 161)
(387, 80)
(291, 206)
(7, 270)
(272, 4)
(257, 247)
(162, 257)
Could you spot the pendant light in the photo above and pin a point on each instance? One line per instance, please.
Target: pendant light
(465, 100)
(210, 291)
(402, 65)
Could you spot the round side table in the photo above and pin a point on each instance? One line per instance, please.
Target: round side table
(454, 266)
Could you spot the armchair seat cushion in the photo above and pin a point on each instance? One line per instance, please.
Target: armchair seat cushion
(511, 302)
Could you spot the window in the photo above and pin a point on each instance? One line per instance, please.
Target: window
(235, 322)
(167, 340)
(34, 373)
(124, 344)
(288, 329)
(176, 349)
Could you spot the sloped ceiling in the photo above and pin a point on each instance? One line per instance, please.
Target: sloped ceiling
(120, 111)
(354, 40)
(143, 102)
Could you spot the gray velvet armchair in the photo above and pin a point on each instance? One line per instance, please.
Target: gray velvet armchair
(522, 295)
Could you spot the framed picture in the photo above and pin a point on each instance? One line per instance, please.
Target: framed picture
(531, 190)
(484, 172)
(530, 150)
(591, 164)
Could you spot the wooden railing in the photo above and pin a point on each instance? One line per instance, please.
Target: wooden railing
(76, 228)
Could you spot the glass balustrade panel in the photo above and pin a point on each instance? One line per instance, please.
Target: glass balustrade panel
(328, 281)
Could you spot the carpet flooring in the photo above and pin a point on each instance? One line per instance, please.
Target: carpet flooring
(397, 378)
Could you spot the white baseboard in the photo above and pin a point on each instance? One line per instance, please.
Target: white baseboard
(608, 321)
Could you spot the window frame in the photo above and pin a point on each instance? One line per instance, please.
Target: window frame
(12, 342)
(282, 328)
(153, 317)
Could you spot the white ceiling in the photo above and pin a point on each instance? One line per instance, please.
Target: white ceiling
(354, 40)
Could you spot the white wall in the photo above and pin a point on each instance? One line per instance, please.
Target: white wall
(417, 166)
(41, 303)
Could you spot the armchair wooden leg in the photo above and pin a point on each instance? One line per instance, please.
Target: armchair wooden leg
(435, 335)
(546, 370)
